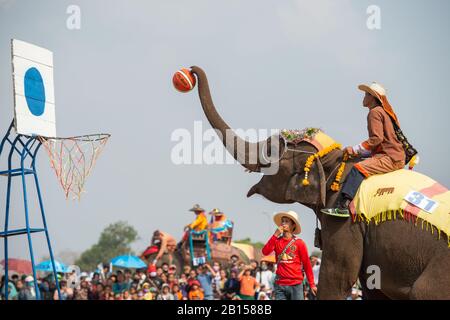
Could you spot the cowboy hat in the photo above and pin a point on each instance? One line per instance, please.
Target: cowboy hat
(216, 212)
(291, 215)
(375, 89)
(379, 92)
(197, 208)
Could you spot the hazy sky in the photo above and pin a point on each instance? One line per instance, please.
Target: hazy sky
(271, 64)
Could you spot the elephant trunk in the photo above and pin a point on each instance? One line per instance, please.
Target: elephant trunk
(245, 152)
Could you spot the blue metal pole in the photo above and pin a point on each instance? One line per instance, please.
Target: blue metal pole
(8, 201)
(41, 205)
(25, 202)
(8, 198)
(5, 138)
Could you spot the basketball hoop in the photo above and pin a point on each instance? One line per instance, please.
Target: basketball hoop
(73, 159)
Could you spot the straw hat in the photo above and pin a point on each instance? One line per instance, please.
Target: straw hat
(375, 89)
(379, 92)
(216, 212)
(197, 208)
(291, 215)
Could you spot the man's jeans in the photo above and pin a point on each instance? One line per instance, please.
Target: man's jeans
(289, 292)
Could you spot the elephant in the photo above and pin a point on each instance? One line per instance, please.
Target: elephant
(220, 252)
(413, 263)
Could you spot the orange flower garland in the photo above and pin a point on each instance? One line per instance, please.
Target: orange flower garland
(313, 157)
(335, 186)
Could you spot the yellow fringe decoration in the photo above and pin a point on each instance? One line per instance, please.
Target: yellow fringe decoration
(392, 215)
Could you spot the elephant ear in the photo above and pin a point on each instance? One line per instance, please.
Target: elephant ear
(312, 193)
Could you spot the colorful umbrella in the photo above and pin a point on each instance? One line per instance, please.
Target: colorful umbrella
(46, 266)
(18, 265)
(131, 262)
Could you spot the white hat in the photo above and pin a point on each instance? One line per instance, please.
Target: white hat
(291, 215)
(29, 279)
(375, 89)
(83, 275)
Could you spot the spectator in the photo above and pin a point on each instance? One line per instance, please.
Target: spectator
(264, 276)
(44, 289)
(232, 286)
(254, 267)
(108, 292)
(14, 278)
(12, 292)
(165, 293)
(96, 292)
(155, 279)
(172, 269)
(248, 284)
(119, 286)
(222, 280)
(105, 273)
(95, 278)
(263, 296)
(205, 277)
(147, 294)
(177, 294)
(171, 280)
(165, 268)
(195, 293)
(315, 264)
(28, 292)
(216, 267)
(127, 279)
(82, 293)
(191, 279)
(186, 270)
(355, 294)
(183, 284)
(126, 295)
(163, 279)
(216, 292)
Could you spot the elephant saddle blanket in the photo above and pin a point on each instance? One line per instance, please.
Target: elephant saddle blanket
(403, 194)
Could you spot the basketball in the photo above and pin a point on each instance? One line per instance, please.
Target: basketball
(183, 80)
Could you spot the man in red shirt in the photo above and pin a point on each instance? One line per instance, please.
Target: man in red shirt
(291, 255)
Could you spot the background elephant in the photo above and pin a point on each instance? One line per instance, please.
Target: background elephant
(220, 252)
(413, 264)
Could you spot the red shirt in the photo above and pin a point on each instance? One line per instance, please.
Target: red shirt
(289, 268)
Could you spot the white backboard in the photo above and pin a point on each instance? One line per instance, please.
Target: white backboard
(34, 97)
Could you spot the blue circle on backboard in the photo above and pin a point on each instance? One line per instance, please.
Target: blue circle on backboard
(34, 91)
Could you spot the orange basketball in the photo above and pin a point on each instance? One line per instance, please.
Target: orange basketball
(183, 80)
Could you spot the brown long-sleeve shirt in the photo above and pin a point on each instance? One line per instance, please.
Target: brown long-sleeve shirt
(382, 137)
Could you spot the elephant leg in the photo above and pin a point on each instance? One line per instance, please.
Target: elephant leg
(434, 282)
(337, 278)
(342, 257)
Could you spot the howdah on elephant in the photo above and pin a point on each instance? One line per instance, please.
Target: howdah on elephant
(413, 263)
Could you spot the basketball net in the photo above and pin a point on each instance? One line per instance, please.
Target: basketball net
(73, 159)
